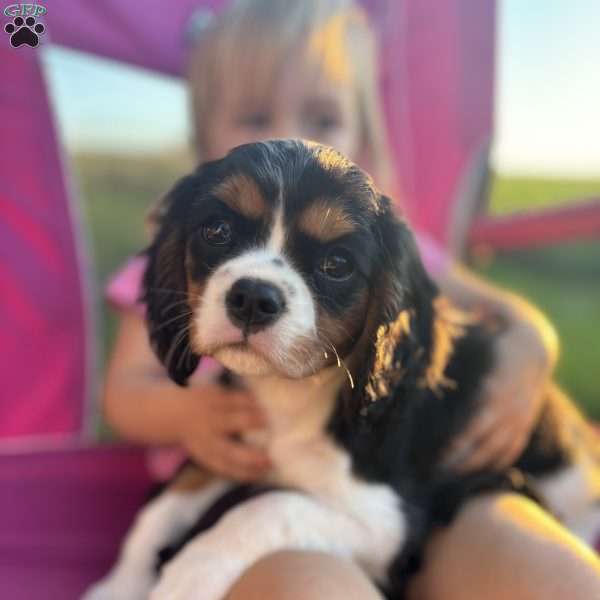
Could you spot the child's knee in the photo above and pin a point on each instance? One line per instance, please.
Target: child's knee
(295, 575)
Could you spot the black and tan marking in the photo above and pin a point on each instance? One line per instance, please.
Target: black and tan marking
(344, 257)
(241, 194)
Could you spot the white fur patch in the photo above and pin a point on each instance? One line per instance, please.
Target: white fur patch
(338, 513)
(210, 564)
(278, 234)
(159, 523)
(288, 346)
(572, 495)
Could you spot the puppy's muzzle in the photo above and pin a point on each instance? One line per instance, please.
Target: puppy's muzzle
(254, 304)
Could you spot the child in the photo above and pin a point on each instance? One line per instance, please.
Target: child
(306, 69)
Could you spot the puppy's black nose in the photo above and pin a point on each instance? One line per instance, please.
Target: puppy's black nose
(253, 304)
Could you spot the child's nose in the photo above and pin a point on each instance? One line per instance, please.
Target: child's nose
(285, 128)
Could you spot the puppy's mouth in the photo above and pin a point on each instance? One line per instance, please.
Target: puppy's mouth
(243, 345)
(248, 356)
(244, 358)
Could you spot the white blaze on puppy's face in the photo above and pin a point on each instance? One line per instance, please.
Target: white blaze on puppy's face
(277, 237)
(289, 345)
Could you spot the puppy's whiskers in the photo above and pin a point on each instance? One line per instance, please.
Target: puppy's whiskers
(186, 354)
(340, 363)
(180, 337)
(166, 291)
(173, 320)
(170, 307)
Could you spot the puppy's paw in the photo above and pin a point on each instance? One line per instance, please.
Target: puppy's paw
(120, 587)
(193, 576)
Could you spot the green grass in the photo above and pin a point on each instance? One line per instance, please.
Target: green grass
(566, 288)
(116, 192)
(564, 281)
(510, 194)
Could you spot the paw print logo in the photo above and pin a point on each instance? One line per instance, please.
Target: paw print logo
(24, 31)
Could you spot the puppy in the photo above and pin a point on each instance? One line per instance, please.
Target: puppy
(284, 262)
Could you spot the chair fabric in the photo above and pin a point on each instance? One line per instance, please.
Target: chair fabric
(537, 228)
(64, 507)
(44, 325)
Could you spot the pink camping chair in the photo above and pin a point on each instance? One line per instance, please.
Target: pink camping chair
(535, 228)
(66, 501)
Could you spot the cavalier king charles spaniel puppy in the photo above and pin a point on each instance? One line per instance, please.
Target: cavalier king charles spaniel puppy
(286, 264)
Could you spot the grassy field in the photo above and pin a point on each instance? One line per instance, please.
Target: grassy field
(510, 194)
(116, 192)
(564, 281)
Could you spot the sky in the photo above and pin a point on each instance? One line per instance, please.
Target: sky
(547, 105)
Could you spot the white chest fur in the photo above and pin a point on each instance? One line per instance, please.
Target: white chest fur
(296, 410)
(333, 510)
(305, 457)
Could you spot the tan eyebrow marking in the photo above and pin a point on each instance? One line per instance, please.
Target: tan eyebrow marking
(241, 193)
(325, 222)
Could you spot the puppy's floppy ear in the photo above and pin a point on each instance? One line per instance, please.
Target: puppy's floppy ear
(408, 285)
(404, 278)
(165, 290)
(398, 332)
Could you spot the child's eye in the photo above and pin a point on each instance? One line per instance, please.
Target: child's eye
(326, 122)
(257, 120)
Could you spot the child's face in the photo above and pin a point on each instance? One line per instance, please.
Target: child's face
(302, 103)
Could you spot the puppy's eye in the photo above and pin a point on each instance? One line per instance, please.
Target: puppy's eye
(336, 264)
(218, 232)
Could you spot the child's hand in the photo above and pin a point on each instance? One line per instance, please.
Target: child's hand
(212, 420)
(511, 403)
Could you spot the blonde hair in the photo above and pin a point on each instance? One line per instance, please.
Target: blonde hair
(259, 37)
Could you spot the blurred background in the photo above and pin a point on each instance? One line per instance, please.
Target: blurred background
(127, 135)
(491, 106)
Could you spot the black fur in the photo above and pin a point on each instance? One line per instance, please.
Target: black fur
(165, 288)
(398, 437)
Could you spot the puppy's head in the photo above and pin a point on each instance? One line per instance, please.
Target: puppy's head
(280, 258)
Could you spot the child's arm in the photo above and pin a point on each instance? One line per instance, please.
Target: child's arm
(144, 406)
(526, 355)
